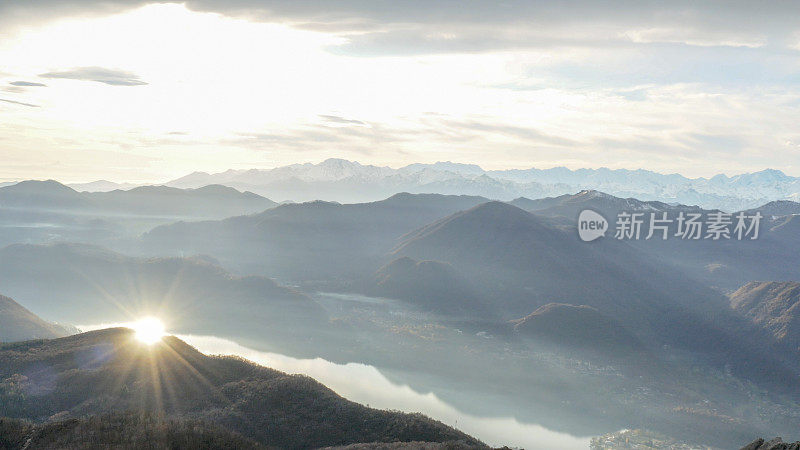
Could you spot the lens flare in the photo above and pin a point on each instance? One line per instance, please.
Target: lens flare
(149, 330)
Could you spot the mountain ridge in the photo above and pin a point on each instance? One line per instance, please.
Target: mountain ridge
(212, 200)
(345, 178)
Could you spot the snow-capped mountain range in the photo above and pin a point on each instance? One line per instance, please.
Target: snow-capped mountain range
(349, 181)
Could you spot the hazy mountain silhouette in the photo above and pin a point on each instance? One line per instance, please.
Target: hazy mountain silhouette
(108, 371)
(212, 201)
(42, 194)
(309, 241)
(349, 181)
(19, 324)
(86, 285)
(47, 211)
(102, 186)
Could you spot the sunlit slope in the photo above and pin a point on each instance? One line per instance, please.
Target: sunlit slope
(775, 306)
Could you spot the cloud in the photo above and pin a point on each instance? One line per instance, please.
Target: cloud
(27, 83)
(18, 103)
(448, 26)
(341, 120)
(405, 27)
(529, 135)
(518, 83)
(98, 74)
(696, 37)
(437, 131)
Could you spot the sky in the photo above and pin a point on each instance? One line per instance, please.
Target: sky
(142, 91)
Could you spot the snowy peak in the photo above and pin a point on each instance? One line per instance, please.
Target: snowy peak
(350, 181)
(445, 166)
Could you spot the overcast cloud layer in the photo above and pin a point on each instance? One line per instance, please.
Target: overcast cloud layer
(158, 90)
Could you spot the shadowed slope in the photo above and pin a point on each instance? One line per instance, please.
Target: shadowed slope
(523, 261)
(578, 327)
(430, 285)
(134, 431)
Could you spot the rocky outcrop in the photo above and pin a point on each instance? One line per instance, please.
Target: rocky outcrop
(774, 444)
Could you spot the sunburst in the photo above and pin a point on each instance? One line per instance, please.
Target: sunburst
(149, 330)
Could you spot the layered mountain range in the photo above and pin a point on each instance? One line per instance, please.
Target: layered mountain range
(208, 201)
(44, 211)
(454, 284)
(467, 256)
(349, 181)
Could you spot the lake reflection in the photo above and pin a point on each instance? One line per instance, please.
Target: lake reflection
(367, 385)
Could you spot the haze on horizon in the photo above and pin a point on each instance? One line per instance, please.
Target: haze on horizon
(147, 91)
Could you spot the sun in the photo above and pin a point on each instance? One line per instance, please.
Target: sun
(149, 330)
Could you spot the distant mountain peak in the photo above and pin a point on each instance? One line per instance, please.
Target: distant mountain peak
(592, 193)
(17, 323)
(339, 162)
(447, 166)
(350, 181)
(497, 212)
(40, 186)
(772, 172)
